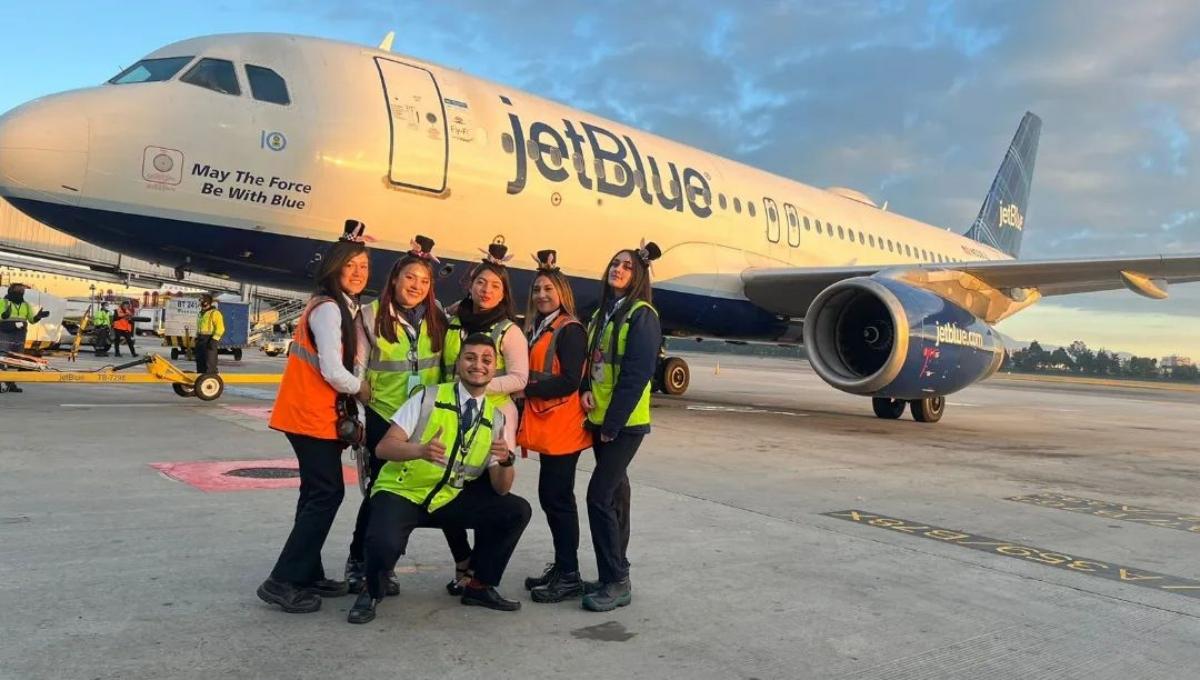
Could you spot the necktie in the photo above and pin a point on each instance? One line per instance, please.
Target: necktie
(468, 417)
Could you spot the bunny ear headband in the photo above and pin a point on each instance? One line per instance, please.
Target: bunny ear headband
(648, 252)
(496, 253)
(422, 247)
(547, 260)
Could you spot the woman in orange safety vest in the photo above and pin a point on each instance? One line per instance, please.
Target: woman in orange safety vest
(553, 421)
(315, 408)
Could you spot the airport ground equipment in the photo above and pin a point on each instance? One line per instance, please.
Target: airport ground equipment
(206, 387)
(179, 327)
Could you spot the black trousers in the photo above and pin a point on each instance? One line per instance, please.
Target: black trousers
(608, 499)
(377, 427)
(127, 337)
(556, 495)
(321, 491)
(498, 522)
(206, 354)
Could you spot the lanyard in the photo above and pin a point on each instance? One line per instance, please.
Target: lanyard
(465, 443)
(544, 326)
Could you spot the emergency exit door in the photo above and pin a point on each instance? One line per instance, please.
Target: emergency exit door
(420, 144)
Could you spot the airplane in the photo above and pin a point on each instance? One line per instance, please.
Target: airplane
(244, 156)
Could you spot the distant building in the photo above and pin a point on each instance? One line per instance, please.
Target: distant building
(1175, 361)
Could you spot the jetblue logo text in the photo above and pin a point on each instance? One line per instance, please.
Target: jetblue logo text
(1010, 216)
(617, 166)
(953, 335)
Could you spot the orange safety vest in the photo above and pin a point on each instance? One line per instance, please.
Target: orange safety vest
(123, 323)
(306, 404)
(552, 427)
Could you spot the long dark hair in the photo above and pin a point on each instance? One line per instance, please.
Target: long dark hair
(328, 274)
(507, 304)
(639, 285)
(435, 319)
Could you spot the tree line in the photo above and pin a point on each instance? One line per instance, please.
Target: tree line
(1079, 359)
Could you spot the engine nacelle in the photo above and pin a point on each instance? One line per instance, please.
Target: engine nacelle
(884, 338)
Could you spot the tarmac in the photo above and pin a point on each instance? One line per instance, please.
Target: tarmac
(780, 530)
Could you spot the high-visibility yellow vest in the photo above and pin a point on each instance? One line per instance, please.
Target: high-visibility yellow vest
(396, 369)
(23, 311)
(101, 318)
(610, 364)
(211, 322)
(429, 484)
(452, 347)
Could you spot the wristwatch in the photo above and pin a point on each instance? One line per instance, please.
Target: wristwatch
(508, 462)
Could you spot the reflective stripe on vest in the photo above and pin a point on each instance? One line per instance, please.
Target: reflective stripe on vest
(426, 483)
(394, 370)
(611, 355)
(305, 404)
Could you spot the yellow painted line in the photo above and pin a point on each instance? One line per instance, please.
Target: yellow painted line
(1099, 382)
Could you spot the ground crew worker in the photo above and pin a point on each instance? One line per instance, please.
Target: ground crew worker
(210, 326)
(406, 328)
(488, 308)
(15, 316)
(624, 337)
(123, 327)
(102, 333)
(552, 422)
(315, 409)
(451, 466)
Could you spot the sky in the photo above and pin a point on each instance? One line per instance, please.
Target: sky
(913, 103)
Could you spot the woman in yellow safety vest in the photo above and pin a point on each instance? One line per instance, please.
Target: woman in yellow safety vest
(624, 338)
(406, 329)
(488, 308)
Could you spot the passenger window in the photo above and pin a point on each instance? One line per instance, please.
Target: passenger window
(556, 156)
(818, 223)
(891, 247)
(721, 200)
(640, 180)
(737, 205)
(577, 161)
(807, 226)
(507, 143)
(850, 233)
(267, 85)
(871, 239)
(841, 233)
(861, 240)
(750, 207)
(907, 250)
(674, 187)
(151, 70)
(599, 169)
(532, 149)
(214, 74)
(618, 172)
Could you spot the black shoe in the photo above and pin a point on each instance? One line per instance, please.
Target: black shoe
(363, 610)
(328, 588)
(564, 586)
(356, 575)
(590, 587)
(291, 599)
(458, 584)
(488, 597)
(547, 576)
(609, 597)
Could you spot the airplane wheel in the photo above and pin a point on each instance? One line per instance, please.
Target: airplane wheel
(272, 354)
(174, 354)
(889, 409)
(237, 354)
(209, 386)
(928, 410)
(183, 390)
(675, 376)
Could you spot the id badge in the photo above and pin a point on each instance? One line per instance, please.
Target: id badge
(597, 366)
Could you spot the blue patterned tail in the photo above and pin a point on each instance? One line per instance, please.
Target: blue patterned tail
(1001, 220)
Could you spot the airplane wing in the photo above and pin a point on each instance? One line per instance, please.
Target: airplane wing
(789, 291)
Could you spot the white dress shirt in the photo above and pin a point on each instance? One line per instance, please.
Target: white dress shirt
(408, 415)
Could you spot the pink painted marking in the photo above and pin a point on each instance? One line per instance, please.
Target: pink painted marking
(209, 476)
(263, 412)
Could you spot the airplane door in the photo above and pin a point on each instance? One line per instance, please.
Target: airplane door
(771, 214)
(793, 225)
(420, 143)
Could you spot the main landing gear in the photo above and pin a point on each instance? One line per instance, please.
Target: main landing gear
(672, 375)
(927, 410)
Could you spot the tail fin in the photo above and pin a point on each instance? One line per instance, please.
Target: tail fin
(1001, 220)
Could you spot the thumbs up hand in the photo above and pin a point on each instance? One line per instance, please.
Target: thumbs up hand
(434, 450)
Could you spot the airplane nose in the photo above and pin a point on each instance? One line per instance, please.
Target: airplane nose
(43, 151)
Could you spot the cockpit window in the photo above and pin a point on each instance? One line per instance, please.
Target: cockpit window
(214, 74)
(267, 85)
(151, 70)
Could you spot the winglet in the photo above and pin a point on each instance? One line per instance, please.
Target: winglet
(386, 44)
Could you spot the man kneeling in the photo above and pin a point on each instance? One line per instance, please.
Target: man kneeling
(449, 466)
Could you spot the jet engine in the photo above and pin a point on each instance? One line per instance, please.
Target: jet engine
(884, 338)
